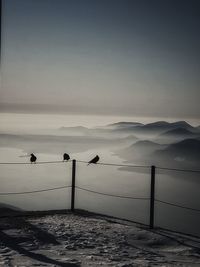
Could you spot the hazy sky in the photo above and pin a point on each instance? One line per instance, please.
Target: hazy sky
(136, 57)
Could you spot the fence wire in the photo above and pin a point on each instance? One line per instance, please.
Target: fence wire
(176, 205)
(35, 163)
(110, 195)
(116, 165)
(96, 192)
(100, 163)
(178, 170)
(34, 191)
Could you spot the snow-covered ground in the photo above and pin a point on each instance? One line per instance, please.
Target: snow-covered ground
(91, 240)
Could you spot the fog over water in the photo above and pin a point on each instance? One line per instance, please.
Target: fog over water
(83, 137)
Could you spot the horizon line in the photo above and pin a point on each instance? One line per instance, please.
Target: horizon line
(38, 108)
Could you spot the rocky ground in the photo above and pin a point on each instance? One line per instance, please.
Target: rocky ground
(91, 240)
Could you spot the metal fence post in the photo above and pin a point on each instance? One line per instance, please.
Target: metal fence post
(73, 184)
(152, 197)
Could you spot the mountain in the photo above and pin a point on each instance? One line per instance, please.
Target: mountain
(181, 124)
(139, 151)
(152, 129)
(105, 131)
(186, 151)
(78, 130)
(124, 124)
(180, 132)
(75, 128)
(198, 128)
(164, 126)
(144, 146)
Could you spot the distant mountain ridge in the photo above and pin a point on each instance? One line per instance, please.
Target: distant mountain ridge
(185, 153)
(132, 128)
(187, 150)
(187, 145)
(145, 143)
(140, 150)
(74, 128)
(125, 124)
(163, 125)
(158, 127)
(182, 132)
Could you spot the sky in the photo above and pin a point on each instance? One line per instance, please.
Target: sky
(119, 57)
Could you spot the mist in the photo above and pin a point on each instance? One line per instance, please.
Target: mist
(127, 144)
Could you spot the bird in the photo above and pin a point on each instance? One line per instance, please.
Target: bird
(33, 158)
(94, 160)
(66, 157)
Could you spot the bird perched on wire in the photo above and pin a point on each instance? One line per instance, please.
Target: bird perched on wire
(33, 158)
(94, 160)
(66, 157)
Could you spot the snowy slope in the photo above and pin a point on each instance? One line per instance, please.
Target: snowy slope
(88, 240)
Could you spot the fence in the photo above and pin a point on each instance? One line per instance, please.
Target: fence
(152, 200)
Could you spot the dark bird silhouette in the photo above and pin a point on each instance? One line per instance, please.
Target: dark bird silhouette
(33, 158)
(94, 160)
(66, 157)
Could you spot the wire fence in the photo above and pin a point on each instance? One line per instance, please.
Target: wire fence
(178, 170)
(110, 195)
(151, 198)
(38, 162)
(117, 165)
(97, 192)
(101, 163)
(34, 191)
(176, 205)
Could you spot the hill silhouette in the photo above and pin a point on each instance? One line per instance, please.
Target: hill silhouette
(155, 128)
(187, 151)
(163, 125)
(139, 151)
(180, 132)
(124, 124)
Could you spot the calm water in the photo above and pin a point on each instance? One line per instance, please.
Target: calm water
(173, 187)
